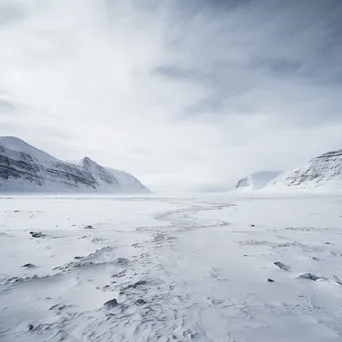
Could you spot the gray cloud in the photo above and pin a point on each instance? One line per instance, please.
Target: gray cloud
(184, 94)
(276, 66)
(272, 47)
(11, 11)
(6, 107)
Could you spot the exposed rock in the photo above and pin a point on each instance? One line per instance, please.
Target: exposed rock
(282, 266)
(89, 227)
(310, 276)
(119, 275)
(29, 265)
(139, 283)
(111, 304)
(337, 280)
(135, 285)
(243, 183)
(37, 234)
(140, 301)
(270, 280)
(58, 307)
(122, 262)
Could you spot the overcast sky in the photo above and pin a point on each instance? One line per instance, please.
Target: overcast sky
(184, 94)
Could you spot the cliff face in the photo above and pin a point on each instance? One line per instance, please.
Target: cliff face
(325, 169)
(25, 168)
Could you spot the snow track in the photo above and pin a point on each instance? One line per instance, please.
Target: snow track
(171, 269)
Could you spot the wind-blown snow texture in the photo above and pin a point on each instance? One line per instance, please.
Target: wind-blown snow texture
(323, 171)
(257, 180)
(24, 168)
(171, 269)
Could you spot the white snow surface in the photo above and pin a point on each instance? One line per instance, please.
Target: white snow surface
(256, 180)
(180, 269)
(324, 171)
(24, 168)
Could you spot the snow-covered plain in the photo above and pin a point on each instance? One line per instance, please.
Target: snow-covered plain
(180, 269)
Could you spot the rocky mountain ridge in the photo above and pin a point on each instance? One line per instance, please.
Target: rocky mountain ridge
(324, 170)
(24, 168)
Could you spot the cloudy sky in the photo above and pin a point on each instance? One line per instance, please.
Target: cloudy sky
(185, 94)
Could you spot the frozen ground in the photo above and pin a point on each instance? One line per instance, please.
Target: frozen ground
(180, 269)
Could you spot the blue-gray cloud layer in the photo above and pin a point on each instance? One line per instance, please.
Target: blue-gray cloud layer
(253, 55)
(184, 94)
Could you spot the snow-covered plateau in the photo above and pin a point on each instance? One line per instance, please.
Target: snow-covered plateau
(248, 268)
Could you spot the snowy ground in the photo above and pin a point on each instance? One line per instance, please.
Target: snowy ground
(181, 269)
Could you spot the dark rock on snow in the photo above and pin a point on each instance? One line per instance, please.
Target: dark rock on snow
(310, 276)
(122, 261)
(140, 301)
(37, 234)
(111, 304)
(89, 227)
(282, 266)
(135, 285)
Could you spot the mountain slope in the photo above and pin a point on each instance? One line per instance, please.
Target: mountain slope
(256, 180)
(322, 171)
(25, 168)
(125, 178)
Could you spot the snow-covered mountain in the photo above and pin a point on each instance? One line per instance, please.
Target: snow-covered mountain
(322, 171)
(24, 168)
(256, 180)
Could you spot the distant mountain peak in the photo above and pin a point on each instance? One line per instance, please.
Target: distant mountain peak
(26, 168)
(86, 161)
(324, 170)
(13, 142)
(257, 180)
